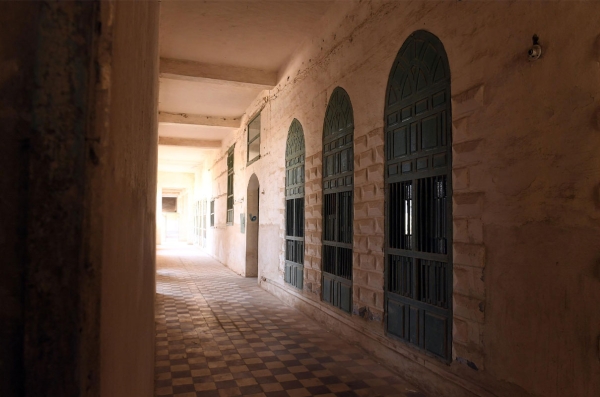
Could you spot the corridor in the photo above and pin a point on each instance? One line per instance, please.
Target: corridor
(219, 334)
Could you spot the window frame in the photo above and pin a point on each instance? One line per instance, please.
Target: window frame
(212, 213)
(418, 187)
(197, 222)
(257, 137)
(230, 191)
(176, 202)
(337, 264)
(295, 206)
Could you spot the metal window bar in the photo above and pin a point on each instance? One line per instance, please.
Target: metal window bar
(344, 263)
(230, 187)
(330, 216)
(289, 217)
(432, 214)
(432, 281)
(329, 259)
(400, 215)
(345, 217)
(400, 275)
(299, 218)
(289, 252)
(294, 251)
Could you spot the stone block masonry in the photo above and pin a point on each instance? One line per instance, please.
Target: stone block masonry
(313, 229)
(468, 247)
(524, 176)
(368, 225)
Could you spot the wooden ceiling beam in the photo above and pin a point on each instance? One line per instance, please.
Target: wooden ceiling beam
(197, 119)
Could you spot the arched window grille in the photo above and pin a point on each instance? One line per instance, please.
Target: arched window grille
(230, 173)
(418, 245)
(294, 206)
(338, 182)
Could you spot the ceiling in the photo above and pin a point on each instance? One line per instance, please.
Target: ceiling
(179, 158)
(192, 131)
(217, 56)
(260, 34)
(182, 96)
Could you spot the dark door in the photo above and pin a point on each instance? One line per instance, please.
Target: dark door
(338, 182)
(418, 184)
(252, 226)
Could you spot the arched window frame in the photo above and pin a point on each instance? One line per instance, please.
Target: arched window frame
(418, 182)
(294, 205)
(230, 174)
(338, 197)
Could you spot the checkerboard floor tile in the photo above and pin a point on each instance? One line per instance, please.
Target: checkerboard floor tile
(219, 334)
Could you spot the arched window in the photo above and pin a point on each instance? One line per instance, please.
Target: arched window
(418, 246)
(294, 206)
(338, 181)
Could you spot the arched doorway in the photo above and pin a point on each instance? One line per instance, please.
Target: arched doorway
(252, 220)
(418, 186)
(338, 187)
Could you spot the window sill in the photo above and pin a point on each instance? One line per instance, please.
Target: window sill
(253, 160)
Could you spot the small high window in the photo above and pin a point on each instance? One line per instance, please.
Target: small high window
(212, 212)
(230, 186)
(169, 204)
(254, 139)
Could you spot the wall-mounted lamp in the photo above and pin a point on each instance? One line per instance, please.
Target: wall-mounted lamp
(535, 52)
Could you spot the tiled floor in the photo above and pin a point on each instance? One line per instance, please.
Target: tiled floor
(219, 334)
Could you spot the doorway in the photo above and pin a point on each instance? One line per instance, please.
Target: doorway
(200, 215)
(172, 226)
(252, 210)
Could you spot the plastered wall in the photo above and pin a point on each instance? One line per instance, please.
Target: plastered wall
(127, 306)
(526, 177)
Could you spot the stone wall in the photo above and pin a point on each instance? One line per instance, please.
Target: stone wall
(525, 176)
